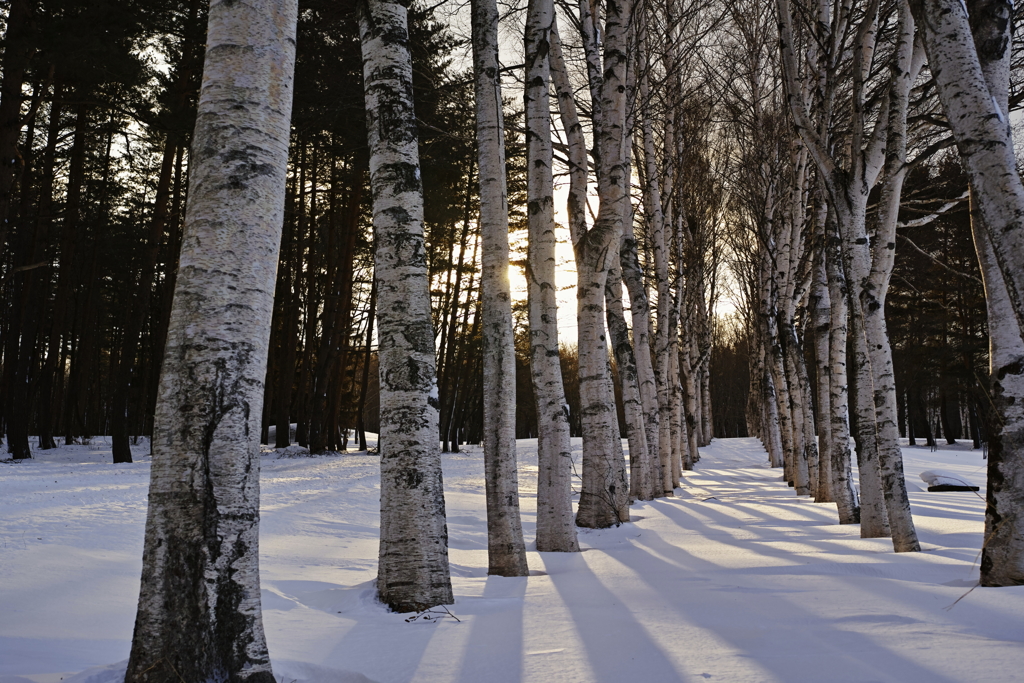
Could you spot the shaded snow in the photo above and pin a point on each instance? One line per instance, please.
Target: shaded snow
(736, 580)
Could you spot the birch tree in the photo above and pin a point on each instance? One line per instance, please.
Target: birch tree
(839, 456)
(604, 491)
(970, 60)
(555, 528)
(199, 614)
(633, 277)
(506, 550)
(655, 219)
(868, 265)
(413, 572)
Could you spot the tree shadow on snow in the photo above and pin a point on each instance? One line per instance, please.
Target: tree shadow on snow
(619, 648)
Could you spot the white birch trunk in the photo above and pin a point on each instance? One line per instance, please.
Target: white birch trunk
(692, 419)
(622, 346)
(874, 518)
(678, 424)
(775, 360)
(660, 247)
(605, 490)
(199, 615)
(640, 313)
(839, 454)
(867, 268)
(705, 412)
(413, 572)
(821, 322)
(640, 310)
(772, 422)
(873, 291)
(1002, 555)
(506, 550)
(806, 451)
(639, 459)
(555, 529)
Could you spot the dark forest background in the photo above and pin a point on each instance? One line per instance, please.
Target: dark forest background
(96, 111)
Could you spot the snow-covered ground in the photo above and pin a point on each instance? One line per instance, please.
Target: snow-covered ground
(736, 580)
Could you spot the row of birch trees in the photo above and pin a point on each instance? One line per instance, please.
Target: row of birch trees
(221, 318)
(832, 106)
(850, 107)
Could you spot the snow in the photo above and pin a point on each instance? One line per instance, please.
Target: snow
(736, 580)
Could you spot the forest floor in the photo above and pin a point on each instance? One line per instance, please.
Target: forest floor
(735, 580)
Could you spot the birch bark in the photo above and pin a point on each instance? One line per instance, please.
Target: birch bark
(1002, 555)
(839, 455)
(773, 433)
(867, 267)
(820, 304)
(555, 529)
(506, 550)
(199, 615)
(640, 313)
(660, 247)
(874, 518)
(413, 572)
(903, 73)
(639, 460)
(633, 276)
(605, 489)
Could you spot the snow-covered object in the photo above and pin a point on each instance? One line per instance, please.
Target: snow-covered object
(938, 480)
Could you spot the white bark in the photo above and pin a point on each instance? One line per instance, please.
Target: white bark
(678, 423)
(555, 528)
(839, 454)
(867, 267)
(199, 612)
(820, 304)
(640, 309)
(790, 288)
(807, 452)
(873, 290)
(874, 518)
(1002, 556)
(639, 459)
(641, 317)
(691, 410)
(660, 247)
(605, 490)
(705, 400)
(506, 550)
(413, 572)
(773, 429)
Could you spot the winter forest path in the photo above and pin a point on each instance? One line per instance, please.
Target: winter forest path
(735, 580)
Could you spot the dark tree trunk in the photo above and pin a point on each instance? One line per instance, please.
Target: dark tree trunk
(364, 385)
(17, 51)
(127, 368)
